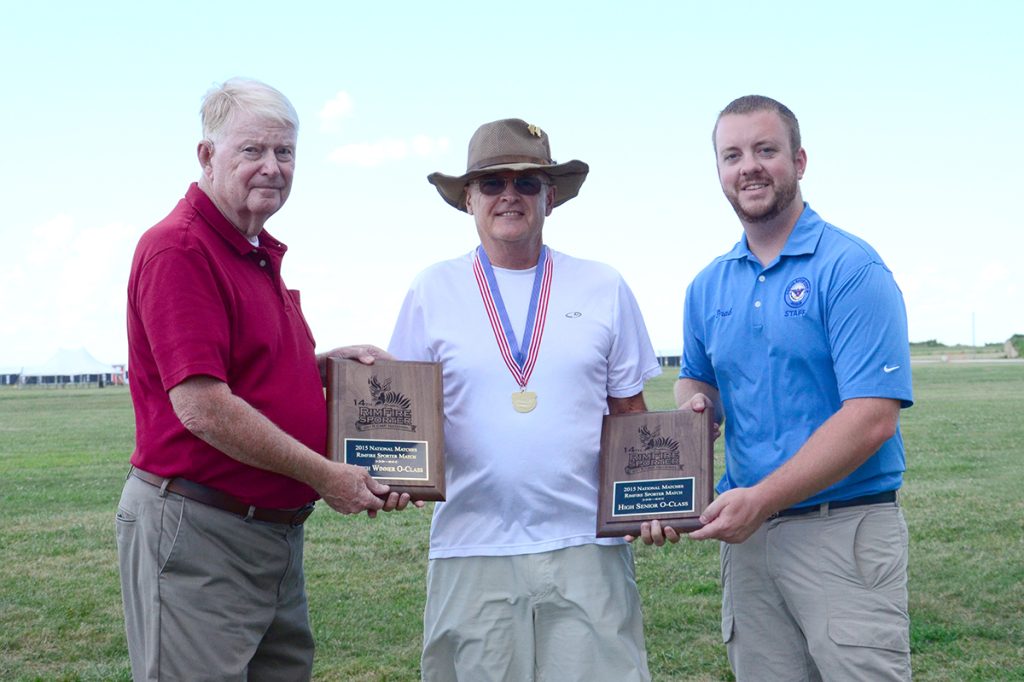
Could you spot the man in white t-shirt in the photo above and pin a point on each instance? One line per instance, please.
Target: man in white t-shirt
(536, 347)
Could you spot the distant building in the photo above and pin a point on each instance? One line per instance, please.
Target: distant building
(71, 367)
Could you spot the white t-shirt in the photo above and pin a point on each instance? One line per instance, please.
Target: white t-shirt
(524, 483)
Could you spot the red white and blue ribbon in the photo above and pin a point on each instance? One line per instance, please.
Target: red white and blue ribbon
(520, 359)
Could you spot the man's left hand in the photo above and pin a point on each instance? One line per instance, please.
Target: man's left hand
(396, 502)
(655, 533)
(364, 353)
(732, 517)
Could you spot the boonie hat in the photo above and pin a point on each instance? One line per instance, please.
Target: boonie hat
(510, 144)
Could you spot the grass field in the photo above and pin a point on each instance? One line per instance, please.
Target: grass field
(63, 456)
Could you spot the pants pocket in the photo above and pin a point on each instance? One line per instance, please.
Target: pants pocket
(867, 588)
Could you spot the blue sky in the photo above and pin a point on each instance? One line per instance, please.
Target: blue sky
(910, 113)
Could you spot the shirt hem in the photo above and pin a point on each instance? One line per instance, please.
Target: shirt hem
(516, 550)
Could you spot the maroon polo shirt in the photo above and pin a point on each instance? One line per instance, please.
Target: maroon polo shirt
(202, 300)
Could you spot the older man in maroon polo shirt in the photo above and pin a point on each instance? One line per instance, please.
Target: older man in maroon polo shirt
(230, 418)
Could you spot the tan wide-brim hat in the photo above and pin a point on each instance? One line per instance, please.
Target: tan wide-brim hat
(510, 144)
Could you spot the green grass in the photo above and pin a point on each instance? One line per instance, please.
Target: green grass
(63, 456)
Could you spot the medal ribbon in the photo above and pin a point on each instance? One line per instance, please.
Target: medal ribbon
(520, 359)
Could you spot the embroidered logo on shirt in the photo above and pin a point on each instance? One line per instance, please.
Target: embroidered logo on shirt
(888, 369)
(573, 315)
(797, 292)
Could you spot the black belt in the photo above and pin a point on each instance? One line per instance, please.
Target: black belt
(878, 498)
(215, 498)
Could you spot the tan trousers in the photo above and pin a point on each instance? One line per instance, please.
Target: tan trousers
(208, 595)
(821, 596)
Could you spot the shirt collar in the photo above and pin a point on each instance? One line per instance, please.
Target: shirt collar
(202, 203)
(802, 240)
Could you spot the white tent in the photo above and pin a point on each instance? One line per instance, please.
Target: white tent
(72, 366)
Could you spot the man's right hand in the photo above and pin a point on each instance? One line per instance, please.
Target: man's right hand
(350, 489)
(699, 403)
(698, 396)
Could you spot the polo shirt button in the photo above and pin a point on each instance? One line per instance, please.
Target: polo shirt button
(761, 278)
(263, 263)
(757, 304)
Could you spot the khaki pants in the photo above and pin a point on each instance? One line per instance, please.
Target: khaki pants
(819, 596)
(208, 595)
(571, 614)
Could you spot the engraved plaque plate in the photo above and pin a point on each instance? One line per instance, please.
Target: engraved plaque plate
(655, 465)
(388, 418)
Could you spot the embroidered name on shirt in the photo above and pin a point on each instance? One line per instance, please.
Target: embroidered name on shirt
(723, 313)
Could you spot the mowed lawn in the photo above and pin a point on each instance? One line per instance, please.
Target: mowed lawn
(63, 457)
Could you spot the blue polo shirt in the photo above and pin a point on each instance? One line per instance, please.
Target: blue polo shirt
(785, 344)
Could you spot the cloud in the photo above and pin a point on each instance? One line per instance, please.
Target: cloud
(386, 150)
(995, 272)
(426, 146)
(370, 153)
(334, 111)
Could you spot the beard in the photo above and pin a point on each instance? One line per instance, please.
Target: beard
(783, 197)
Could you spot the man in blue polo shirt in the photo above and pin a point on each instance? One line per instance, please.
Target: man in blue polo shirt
(798, 336)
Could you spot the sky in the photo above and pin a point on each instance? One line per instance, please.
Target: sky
(910, 114)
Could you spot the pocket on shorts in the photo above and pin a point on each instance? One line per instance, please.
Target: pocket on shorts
(873, 635)
(867, 584)
(727, 617)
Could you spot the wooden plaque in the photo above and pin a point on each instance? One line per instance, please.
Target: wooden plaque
(655, 465)
(388, 417)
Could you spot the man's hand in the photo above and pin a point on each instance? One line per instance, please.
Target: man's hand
(654, 533)
(396, 502)
(700, 402)
(350, 489)
(733, 516)
(364, 353)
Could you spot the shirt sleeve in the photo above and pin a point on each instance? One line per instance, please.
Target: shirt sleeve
(185, 320)
(631, 360)
(695, 362)
(867, 328)
(409, 339)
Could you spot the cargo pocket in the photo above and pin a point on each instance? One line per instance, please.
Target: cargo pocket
(866, 580)
(873, 635)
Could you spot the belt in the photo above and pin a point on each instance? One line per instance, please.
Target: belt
(215, 498)
(878, 498)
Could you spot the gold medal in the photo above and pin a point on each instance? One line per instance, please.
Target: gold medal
(524, 401)
(519, 358)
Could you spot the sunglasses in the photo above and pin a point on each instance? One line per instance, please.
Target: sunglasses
(527, 185)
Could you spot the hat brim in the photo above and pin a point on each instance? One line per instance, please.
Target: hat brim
(568, 177)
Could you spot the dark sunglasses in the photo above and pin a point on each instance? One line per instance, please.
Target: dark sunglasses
(527, 185)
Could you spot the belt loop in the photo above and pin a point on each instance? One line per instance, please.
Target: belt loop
(824, 508)
(252, 510)
(163, 487)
